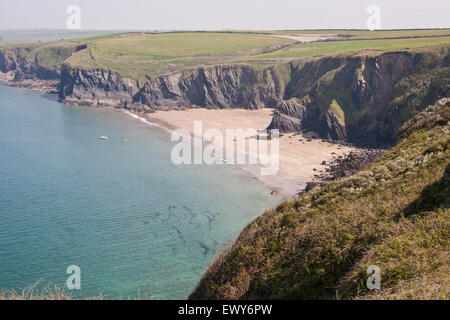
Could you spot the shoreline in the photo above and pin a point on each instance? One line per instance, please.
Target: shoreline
(45, 86)
(280, 184)
(303, 158)
(286, 189)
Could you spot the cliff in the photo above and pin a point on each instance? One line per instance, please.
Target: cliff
(359, 98)
(320, 245)
(363, 99)
(94, 87)
(35, 62)
(235, 86)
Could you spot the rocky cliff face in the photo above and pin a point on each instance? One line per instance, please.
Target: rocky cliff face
(95, 86)
(34, 63)
(7, 65)
(362, 99)
(210, 87)
(289, 116)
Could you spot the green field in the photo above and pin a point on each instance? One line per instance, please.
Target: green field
(142, 55)
(337, 47)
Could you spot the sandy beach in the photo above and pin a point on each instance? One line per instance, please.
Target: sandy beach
(301, 156)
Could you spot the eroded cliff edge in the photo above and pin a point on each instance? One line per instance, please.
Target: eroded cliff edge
(363, 99)
(38, 63)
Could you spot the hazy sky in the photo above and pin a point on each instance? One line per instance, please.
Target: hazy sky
(223, 14)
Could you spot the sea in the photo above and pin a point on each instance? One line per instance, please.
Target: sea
(134, 223)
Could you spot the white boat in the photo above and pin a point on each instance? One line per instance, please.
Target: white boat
(104, 138)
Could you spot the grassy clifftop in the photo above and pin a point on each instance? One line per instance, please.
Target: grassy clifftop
(395, 214)
(141, 55)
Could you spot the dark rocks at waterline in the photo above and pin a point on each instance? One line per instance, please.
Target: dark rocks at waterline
(341, 167)
(355, 161)
(48, 86)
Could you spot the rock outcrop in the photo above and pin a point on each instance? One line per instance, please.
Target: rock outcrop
(289, 116)
(34, 62)
(95, 85)
(285, 123)
(354, 162)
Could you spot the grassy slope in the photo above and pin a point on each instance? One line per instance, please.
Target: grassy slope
(352, 46)
(142, 54)
(394, 214)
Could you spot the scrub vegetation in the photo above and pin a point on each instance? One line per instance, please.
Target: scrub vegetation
(394, 214)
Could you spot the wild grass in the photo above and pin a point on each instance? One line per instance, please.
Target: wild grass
(49, 291)
(394, 214)
(37, 292)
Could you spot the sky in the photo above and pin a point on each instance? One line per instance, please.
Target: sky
(223, 14)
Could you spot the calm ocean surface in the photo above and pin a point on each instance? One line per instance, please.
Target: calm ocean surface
(131, 220)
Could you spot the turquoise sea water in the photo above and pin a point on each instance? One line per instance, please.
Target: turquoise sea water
(129, 218)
